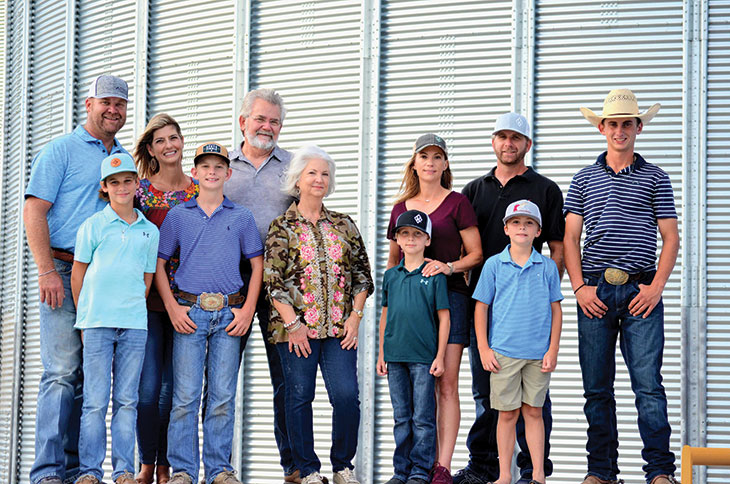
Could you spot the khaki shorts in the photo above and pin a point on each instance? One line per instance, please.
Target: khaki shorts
(519, 381)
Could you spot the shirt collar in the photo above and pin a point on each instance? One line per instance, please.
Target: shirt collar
(293, 213)
(638, 163)
(193, 202)
(505, 257)
(237, 154)
(402, 267)
(528, 175)
(111, 216)
(81, 132)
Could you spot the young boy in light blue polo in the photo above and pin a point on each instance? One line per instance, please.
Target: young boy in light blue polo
(114, 263)
(522, 288)
(414, 331)
(209, 316)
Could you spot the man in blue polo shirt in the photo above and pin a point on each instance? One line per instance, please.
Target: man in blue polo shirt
(209, 313)
(63, 192)
(622, 199)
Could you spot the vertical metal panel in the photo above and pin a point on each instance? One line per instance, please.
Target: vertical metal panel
(445, 68)
(583, 50)
(310, 53)
(15, 160)
(718, 228)
(190, 71)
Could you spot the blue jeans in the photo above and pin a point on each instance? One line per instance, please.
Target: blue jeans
(482, 438)
(414, 411)
(339, 371)
(58, 410)
(155, 391)
(209, 346)
(642, 345)
(119, 352)
(277, 382)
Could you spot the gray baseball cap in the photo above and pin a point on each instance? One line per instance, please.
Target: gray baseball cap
(512, 122)
(523, 207)
(108, 86)
(430, 139)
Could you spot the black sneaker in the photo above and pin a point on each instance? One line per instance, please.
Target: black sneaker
(416, 480)
(468, 476)
(395, 480)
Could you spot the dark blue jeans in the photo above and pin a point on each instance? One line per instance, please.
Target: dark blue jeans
(155, 391)
(277, 382)
(482, 438)
(414, 411)
(339, 372)
(642, 345)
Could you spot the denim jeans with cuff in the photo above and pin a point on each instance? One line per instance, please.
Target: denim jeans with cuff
(339, 372)
(58, 407)
(118, 352)
(414, 411)
(642, 346)
(211, 347)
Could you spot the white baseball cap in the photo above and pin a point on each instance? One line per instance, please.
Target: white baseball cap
(513, 122)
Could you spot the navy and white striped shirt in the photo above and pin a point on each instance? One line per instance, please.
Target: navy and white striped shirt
(210, 247)
(620, 212)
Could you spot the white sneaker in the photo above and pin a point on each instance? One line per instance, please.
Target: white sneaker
(345, 476)
(313, 478)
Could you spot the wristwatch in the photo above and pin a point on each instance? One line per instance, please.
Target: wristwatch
(359, 312)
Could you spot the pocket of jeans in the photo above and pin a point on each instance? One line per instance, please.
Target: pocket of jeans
(62, 268)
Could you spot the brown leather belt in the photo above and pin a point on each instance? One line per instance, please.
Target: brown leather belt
(212, 301)
(63, 255)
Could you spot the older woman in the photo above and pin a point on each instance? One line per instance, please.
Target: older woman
(163, 185)
(317, 274)
(455, 249)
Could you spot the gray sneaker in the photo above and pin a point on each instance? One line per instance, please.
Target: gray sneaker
(86, 479)
(180, 478)
(345, 476)
(50, 480)
(125, 478)
(226, 477)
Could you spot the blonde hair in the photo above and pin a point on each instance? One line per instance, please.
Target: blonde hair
(410, 185)
(147, 165)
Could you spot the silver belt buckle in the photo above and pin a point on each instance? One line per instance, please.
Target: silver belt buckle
(211, 301)
(616, 277)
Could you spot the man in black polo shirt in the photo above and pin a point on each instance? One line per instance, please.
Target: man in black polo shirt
(622, 200)
(490, 195)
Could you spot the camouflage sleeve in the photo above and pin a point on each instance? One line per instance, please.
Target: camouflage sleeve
(362, 279)
(276, 262)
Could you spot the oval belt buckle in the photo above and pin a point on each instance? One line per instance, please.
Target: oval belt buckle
(614, 276)
(211, 301)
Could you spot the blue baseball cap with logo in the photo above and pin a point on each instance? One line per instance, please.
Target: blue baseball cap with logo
(117, 163)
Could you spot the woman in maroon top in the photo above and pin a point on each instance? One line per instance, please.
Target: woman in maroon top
(455, 249)
(162, 185)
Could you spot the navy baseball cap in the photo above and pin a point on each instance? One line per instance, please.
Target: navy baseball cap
(415, 219)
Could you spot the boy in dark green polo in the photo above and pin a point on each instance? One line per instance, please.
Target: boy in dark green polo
(414, 330)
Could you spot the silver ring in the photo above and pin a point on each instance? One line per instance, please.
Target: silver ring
(355, 338)
(296, 347)
(436, 266)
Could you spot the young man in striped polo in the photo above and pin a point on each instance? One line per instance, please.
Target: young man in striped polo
(622, 200)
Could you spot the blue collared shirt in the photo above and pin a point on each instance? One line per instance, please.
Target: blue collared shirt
(118, 254)
(620, 212)
(66, 173)
(259, 189)
(520, 297)
(210, 247)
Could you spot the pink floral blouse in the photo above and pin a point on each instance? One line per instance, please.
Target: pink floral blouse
(315, 268)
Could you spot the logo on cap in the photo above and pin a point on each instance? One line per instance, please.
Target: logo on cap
(418, 218)
(115, 162)
(520, 207)
(211, 148)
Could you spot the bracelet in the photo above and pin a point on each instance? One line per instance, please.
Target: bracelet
(47, 272)
(575, 291)
(291, 323)
(450, 265)
(293, 328)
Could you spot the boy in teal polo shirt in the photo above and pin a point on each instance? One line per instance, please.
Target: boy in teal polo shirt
(414, 330)
(114, 263)
(522, 288)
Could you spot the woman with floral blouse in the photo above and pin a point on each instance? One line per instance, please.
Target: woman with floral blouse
(317, 275)
(162, 185)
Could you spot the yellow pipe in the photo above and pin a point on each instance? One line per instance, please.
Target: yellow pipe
(698, 456)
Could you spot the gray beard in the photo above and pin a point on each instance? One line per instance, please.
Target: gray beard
(256, 143)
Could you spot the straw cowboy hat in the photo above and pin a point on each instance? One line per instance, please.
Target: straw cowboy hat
(620, 103)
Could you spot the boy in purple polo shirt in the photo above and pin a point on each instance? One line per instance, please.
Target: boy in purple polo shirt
(522, 287)
(209, 315)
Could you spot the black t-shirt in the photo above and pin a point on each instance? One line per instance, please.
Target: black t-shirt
(490, 200)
